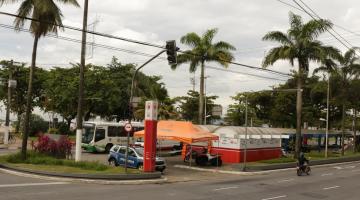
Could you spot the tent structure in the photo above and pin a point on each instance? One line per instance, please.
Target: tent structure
(181, 131)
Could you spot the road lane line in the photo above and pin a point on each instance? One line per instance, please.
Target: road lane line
(349, 167)
(328, 174)
(226, 188)
(332, 187)
(32, 184)
(285, 180)
(278, 197)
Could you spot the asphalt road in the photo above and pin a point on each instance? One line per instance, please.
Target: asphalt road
(332, 182)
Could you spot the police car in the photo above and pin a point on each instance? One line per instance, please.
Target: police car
(135, 158)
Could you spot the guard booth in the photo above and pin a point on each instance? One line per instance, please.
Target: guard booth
(259, 144)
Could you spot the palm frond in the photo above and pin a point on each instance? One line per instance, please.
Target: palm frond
(277, 36)
(314, 28)
(2, 2)
(279, 53)
(191, 39)
(70, 2)
(209, 35)
(221, 45)
(24, 10)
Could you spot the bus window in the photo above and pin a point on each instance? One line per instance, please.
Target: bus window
(99, 135)
(114, 131)
(88, 134)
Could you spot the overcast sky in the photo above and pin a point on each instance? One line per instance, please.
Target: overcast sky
(240, 22)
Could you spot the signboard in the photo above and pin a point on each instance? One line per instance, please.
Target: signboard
(151, 110)
(217, 110)
(128, 127)
(12, 83)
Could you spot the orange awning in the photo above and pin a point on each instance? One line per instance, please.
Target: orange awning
(180, 131)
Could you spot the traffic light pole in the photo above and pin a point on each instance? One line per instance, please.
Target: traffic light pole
(131, 100)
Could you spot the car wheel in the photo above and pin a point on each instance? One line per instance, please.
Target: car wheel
(112, 162)
(108, 147)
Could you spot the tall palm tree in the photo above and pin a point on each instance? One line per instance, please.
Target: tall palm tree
(299, 44)
(349, 69)
(204, 50)
(48, 18)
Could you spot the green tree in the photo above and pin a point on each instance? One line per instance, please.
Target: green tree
(204, 50)
(48, 18)
(188, 106)
(299, 44)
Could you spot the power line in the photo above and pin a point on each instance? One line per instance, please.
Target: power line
(319, 22)
(341, 27)
(321, 19)
(243, 73)
(131, 52)
(140, 42)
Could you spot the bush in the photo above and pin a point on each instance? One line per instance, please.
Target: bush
(59, 149)
(37, 158)
(53, 131)
(37, 125)
(64, 128)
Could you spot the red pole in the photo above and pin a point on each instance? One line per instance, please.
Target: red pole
(150, 137)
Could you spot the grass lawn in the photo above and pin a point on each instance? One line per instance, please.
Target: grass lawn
(314, 155)
(39, 162)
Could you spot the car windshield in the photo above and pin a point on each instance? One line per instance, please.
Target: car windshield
(140, 151)
(88, 134)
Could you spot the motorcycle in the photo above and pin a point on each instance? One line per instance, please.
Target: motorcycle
(303, 169)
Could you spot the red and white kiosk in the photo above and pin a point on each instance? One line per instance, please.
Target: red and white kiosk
(151, 113)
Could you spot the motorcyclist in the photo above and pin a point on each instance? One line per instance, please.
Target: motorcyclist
(302, 159)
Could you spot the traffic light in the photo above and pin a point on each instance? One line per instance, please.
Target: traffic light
(171, 51)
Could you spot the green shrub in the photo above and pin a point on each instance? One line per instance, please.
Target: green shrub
(64, 128)
(37, 125)
(53, 131)
(40, 159)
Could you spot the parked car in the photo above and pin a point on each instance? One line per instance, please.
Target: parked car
(135, 158)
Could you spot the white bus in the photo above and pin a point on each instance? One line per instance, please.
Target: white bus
(101, 136)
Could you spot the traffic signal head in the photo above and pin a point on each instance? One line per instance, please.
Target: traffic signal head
(171, 51)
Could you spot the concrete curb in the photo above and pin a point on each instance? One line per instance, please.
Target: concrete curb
(85, 178)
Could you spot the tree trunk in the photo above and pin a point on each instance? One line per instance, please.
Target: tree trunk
(29, 100)
(18, 122)
(343, 130)
(201, 97)
(354, 145)
(298, 112)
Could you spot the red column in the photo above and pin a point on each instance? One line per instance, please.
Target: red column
(150, 145)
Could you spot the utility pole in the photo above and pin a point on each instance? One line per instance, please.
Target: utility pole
(246, 131)
(327, 117)
(8, 105)
(205, 111)
(79, 119)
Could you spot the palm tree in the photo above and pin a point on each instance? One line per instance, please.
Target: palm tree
(48, 18)
(299, 44)
(349, 69)
(204, 50)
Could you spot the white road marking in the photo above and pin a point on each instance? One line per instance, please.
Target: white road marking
(338, 167)
(332, 187)
(286, 180)
(328, 174)
(32, 184)
(349, 167)
(226, 188)
(278, 197)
